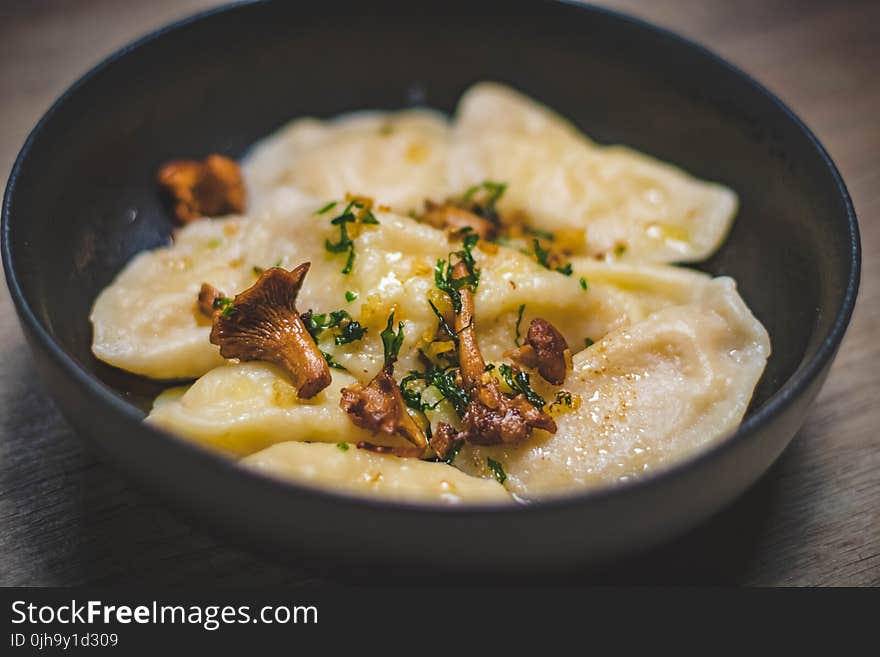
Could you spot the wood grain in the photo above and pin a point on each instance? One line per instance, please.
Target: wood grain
(814, 519)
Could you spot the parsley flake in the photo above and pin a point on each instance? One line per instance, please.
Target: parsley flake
(444, 280)
(497, 470)
(519, 314)
(520, 382)
(332, 363)
(445, 381)
(391, 341)
(327, 208)
(224, 305)
(349, 330)
(452, 452)
(356, 212)
(482, 199)
(542, 256)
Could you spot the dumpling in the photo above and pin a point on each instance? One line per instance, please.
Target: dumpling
(361, 472)
(394, 271)
(147, 320)
(241, 408)
(397, 158)
(626, 205)
(642, 397)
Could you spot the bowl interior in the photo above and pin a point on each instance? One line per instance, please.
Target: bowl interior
(84, 201)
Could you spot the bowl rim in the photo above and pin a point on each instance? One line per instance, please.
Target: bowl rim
(790, 390)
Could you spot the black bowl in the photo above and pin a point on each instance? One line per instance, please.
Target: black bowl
(81, 202)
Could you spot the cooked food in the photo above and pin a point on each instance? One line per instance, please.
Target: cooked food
(203, 189)
(344, 468)
(616, 202)
(397, 158)
(475, 310)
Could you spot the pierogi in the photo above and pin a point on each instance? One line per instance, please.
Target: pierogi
(488, 312)
(624, 204)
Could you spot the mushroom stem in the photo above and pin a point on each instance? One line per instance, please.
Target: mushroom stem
(470, 358)
(491, 417)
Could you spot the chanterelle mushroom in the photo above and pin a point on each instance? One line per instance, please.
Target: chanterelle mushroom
(262, 323)
(457, 220)
(545, 350)
(211, 188)
(379, 406)
(491, 417)
(209, 300)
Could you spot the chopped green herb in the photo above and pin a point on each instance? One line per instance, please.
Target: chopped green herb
(327, 208)
(350, 332)
(364, 216)
(519, 314)
(224, 305)
(342, 446)
(563, 397)
(258, 270)
(446, 382)
(317, 323)
(589, 342)
(483, 198)
(619, 249)
(444, 325)
(467, 256)
(542, 255)
(332, 363)
(411, 396)
(349, 329)
(453, 451)
(350, 296)
(277, 263)
(584, 285)
(213, 244)
(392, 341)
(443, 272)
(520, 382)
(443, 380)
(497, 470)
(443, 281)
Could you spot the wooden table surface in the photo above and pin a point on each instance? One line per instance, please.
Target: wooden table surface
(814, 519)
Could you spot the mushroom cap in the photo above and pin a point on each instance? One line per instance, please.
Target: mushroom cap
(262, 323)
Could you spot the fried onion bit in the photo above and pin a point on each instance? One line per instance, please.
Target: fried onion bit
(491, 418)
(379, 406)
(262, 323)
(545, 350)
(211, 188)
